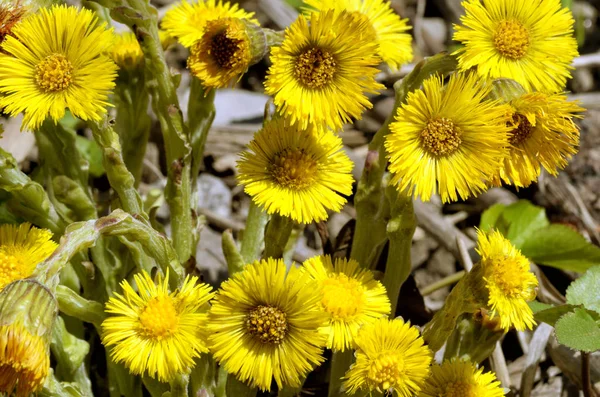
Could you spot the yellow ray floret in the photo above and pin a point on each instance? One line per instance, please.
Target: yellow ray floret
(296, 173)
(264, 325)
(154, 331)
(56, 60)
(461, 379)
(324, 67)
(349, 295)
(508, 279)
(126, 51)
(530, 42)
(187, 20)
(390, 358)
(393, 41)
(24, 361)
(22, 247)
(543, 135)
(447, 140)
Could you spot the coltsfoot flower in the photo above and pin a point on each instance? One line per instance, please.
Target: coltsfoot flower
(508, 280)
(461, 379)
(323, 68)
(447, 139)
(126, 52)
(155, 331)
(542, 135)
(265, 324)
(27, 314)
(22, 247)
(11, 12)
(393, 41)
(56, 59)
(296, 173)
(187, 20)
(349, 295)
(391, 358)
(225, 51)
(530, 42)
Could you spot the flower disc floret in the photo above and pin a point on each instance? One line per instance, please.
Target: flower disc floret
(460, 379)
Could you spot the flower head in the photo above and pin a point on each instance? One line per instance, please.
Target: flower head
(390, 357)
(447, 139)
(461, 379)
(56, 59)
(509, 282)
(530, 42)
(155, 331)
(22, 247)
(187, 20)
(265, 323)
(542, 134)
(27, 314)
(126, 52)
(323, 68)
(349, 295)
(225, 51)
(296, 173)
(393, 41)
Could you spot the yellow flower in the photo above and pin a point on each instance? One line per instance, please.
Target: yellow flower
(323, 69)
(57, 60)
(187, 20)
(22, 247)
(349, 295)
(390, 357)
(447, 139)
(225, 51)
(542, 134)
(530, 42)
(11, 12)
(126, 52)
(24, 361)
(155, 331)
(509, 282)
(296, 173)
(265, 325)
(461, 378)
(394, 43)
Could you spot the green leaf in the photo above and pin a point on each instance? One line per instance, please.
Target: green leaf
(537, 306)
(586, 290)
(551, 315)
(490, 217)
(561, 247)
(521, 221)
(579, 331)
(91, 152)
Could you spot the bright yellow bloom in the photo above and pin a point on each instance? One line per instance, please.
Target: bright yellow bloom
(296, 173)
(390, 357)
(126, 52)
(187, 20)
(530, 41)
(394, 43)
(542, 134)
(57, 60)
(323, 69)
(225, 51)
(349, 295)
(24, 361)
(22, 247)
(447, 139)
(265, 323)
(461, 379)
(155, 331)
(509, 282)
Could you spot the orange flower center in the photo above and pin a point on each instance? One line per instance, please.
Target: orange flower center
(315, 68)
(54, 73)
(441, 137)
(511, 39)
(267, 323)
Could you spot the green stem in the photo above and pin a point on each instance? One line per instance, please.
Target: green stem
(277, 235)
(76, 306)
(340, 362)
(201, 113)
(254, 233)
(445, 282)
(235, 262)
(235, 388)
(179, 386)
(400, 230)
(121, 180)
